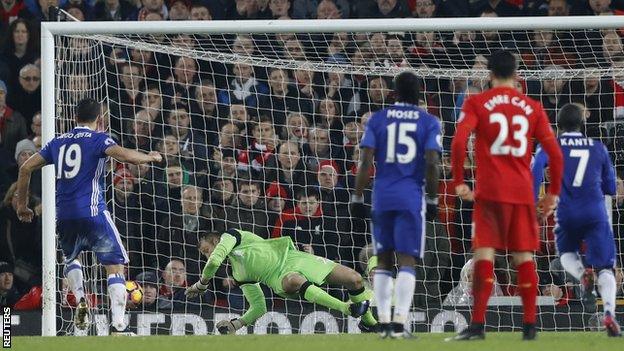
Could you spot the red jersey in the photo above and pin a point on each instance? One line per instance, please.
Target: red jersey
(505, 123)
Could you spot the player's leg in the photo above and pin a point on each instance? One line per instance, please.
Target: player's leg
(523, 240)
(383, 282)
(71, 244)
(353, 282)
(568, 245)
(489, 223)
(601, 255)
(106, 243)
(294, 283)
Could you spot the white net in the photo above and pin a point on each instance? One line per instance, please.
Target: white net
(260, 132)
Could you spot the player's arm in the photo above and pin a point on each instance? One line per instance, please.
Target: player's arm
(609, 181)
(537, 168)
(362, 178)
(125, 155)
(466, 124)
(257, 308)
(34, 163)
(546, 137)
(433, 148)
(216, 258)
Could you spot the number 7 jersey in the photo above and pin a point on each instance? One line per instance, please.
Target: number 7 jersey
(79, 160)
(400, 135)
(505, 123)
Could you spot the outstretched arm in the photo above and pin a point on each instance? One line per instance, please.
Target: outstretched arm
(34, 163)
(125, 155)
(257, 308)
(223, 248)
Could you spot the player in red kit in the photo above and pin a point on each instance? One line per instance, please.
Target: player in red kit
(505, 123)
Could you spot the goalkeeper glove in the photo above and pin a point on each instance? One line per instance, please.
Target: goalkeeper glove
(196, 289)
(229, 327)
(432, 208)
(358, 210)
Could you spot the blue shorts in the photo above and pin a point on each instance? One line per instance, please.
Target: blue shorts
(97, 234)
(400, 231)
(598, 238)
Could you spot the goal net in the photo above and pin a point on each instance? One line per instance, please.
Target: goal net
(259, 127)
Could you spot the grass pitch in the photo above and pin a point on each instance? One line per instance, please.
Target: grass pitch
(561, 341)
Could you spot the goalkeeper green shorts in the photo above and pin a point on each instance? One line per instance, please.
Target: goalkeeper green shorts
(314, 268)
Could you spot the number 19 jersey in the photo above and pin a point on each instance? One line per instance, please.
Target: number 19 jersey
(400, 136)
(505, 123)
(79, 160)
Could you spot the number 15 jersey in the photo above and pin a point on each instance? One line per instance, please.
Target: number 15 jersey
(505, 123)
(400, 135)
(79, 160)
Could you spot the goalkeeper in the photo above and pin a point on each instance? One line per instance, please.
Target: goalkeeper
(287, 271)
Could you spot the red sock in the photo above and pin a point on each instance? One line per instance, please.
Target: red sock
(527, 287)
(482, 284)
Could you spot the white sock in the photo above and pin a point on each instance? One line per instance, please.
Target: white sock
(382, 284)
(118, 296)
(403, 293)
(572, 263)
(73, 273)
(607, 290)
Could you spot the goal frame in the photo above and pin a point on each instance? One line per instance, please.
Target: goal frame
(50, 29)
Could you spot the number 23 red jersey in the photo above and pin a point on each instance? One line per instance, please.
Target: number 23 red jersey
(506, 123)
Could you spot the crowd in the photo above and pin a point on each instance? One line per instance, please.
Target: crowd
(274, 150)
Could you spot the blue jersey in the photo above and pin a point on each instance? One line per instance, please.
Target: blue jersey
(79, 159)
(588, 175)
(400, 136)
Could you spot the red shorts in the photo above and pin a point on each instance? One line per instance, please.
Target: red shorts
(504, 226)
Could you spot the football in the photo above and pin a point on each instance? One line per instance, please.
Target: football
(135, 292)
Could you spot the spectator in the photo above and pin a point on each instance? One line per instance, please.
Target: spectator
(611, 46)
(151, 101)
(21, 48)
(283, 98)
(222, 197)
(26, 98)
(41, 9)
(152, 300)
(225, 163)
(200, 12)
(383, 9)
(279, 8)
(113, 10)
(204, 111)
(8, 293)
(21, 240)
(310, 230)
(377, 94)
(76, 11)
(169, 147)
(558, 8)
(291, 170)
(35, 127)
(191, 142)
(304, 82)
(12, 123)
(334, 198)
(244, 88)
(320, 9)
(230, 137)
(174, 279)
(10, 10)
(248, 211)
(296, 129)
(259, 158)
(244, 9)
(179, 10)
(502, 8)
(550, 93)
(152, 7)
(168, 192)
(596, 94)
(142, 132)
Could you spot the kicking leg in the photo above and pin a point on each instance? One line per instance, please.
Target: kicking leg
(117, 295)
(75, 279)
(607, 288)
(353, 281)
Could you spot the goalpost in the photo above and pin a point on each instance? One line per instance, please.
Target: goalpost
(81, 59)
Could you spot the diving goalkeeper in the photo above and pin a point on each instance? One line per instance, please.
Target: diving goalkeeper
(286, 270)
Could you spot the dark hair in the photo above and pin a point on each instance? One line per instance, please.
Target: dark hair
(87, 110)
(31, 47)
(502, 64)
(570, 118)
(407, 87)
(206, 236)
(308, 192)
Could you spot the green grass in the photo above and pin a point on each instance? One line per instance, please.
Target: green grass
(562, 341)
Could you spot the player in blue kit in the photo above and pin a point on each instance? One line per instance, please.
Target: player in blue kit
(405, 141)
(582, 215)
(82, 220)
